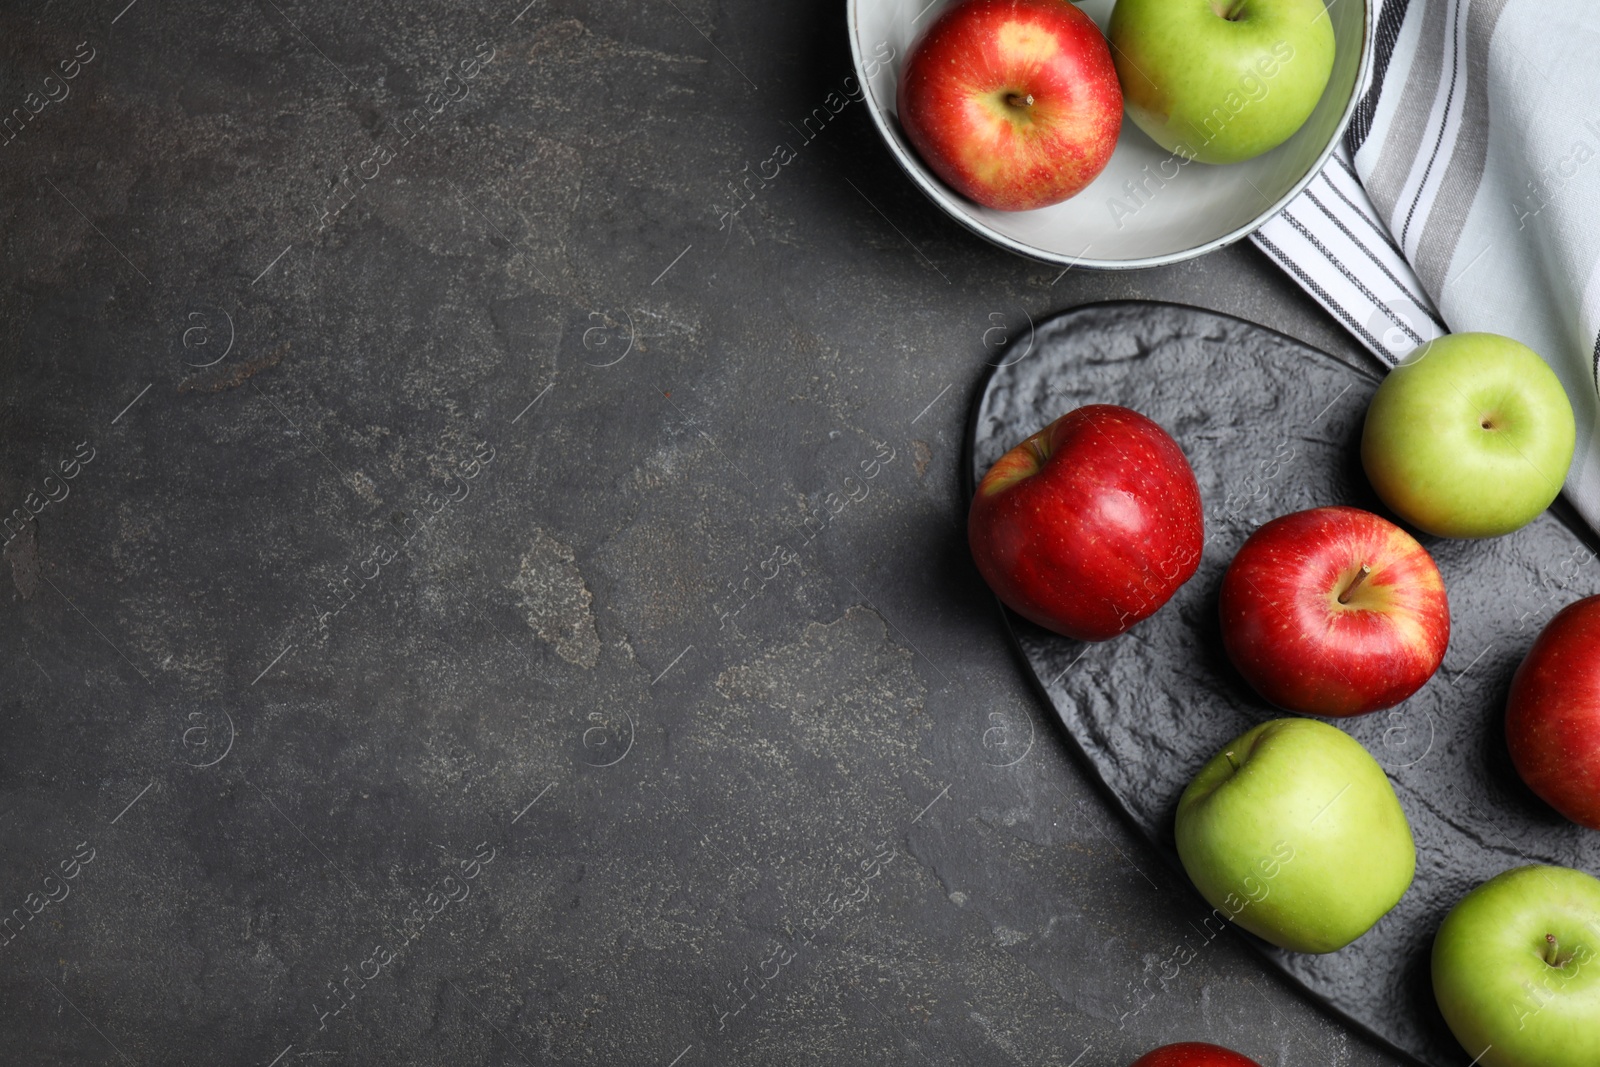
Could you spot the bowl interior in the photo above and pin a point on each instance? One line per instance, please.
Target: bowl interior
(1182, 211)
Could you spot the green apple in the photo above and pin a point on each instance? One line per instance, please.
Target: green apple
(1516, 969)
(1294, 833)
(1221, 80)
(1470, 436)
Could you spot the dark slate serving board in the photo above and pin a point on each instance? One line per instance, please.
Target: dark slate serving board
(1273, 426)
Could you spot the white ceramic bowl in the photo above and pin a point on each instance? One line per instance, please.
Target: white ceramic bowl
(1203, 208)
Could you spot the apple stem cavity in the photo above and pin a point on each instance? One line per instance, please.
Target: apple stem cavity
(1232, 10)
(1361, 576)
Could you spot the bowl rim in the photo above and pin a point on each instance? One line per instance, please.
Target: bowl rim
(936, 191)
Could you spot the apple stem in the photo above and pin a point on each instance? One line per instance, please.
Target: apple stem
(1361, 576)
(1231, 763)
(1019, 100)
(1552, 952)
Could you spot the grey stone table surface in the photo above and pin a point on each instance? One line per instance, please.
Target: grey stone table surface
(490, 583)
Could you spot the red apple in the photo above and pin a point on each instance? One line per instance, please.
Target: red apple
(1014, 103)
(1334, 611)
(1193, 1054)
(1089, 525)
(1553, 716)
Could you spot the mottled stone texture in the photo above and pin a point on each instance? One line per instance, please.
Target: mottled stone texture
(509, 608)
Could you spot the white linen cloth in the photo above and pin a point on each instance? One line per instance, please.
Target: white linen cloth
(1467, 194)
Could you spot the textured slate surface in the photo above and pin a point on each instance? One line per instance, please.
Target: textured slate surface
(707, 764)
(1272, 426)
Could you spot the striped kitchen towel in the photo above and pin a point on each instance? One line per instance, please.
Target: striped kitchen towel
(1467, 195)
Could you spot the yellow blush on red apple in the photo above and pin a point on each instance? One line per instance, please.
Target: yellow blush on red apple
(1015, 104)
(1334, 611)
